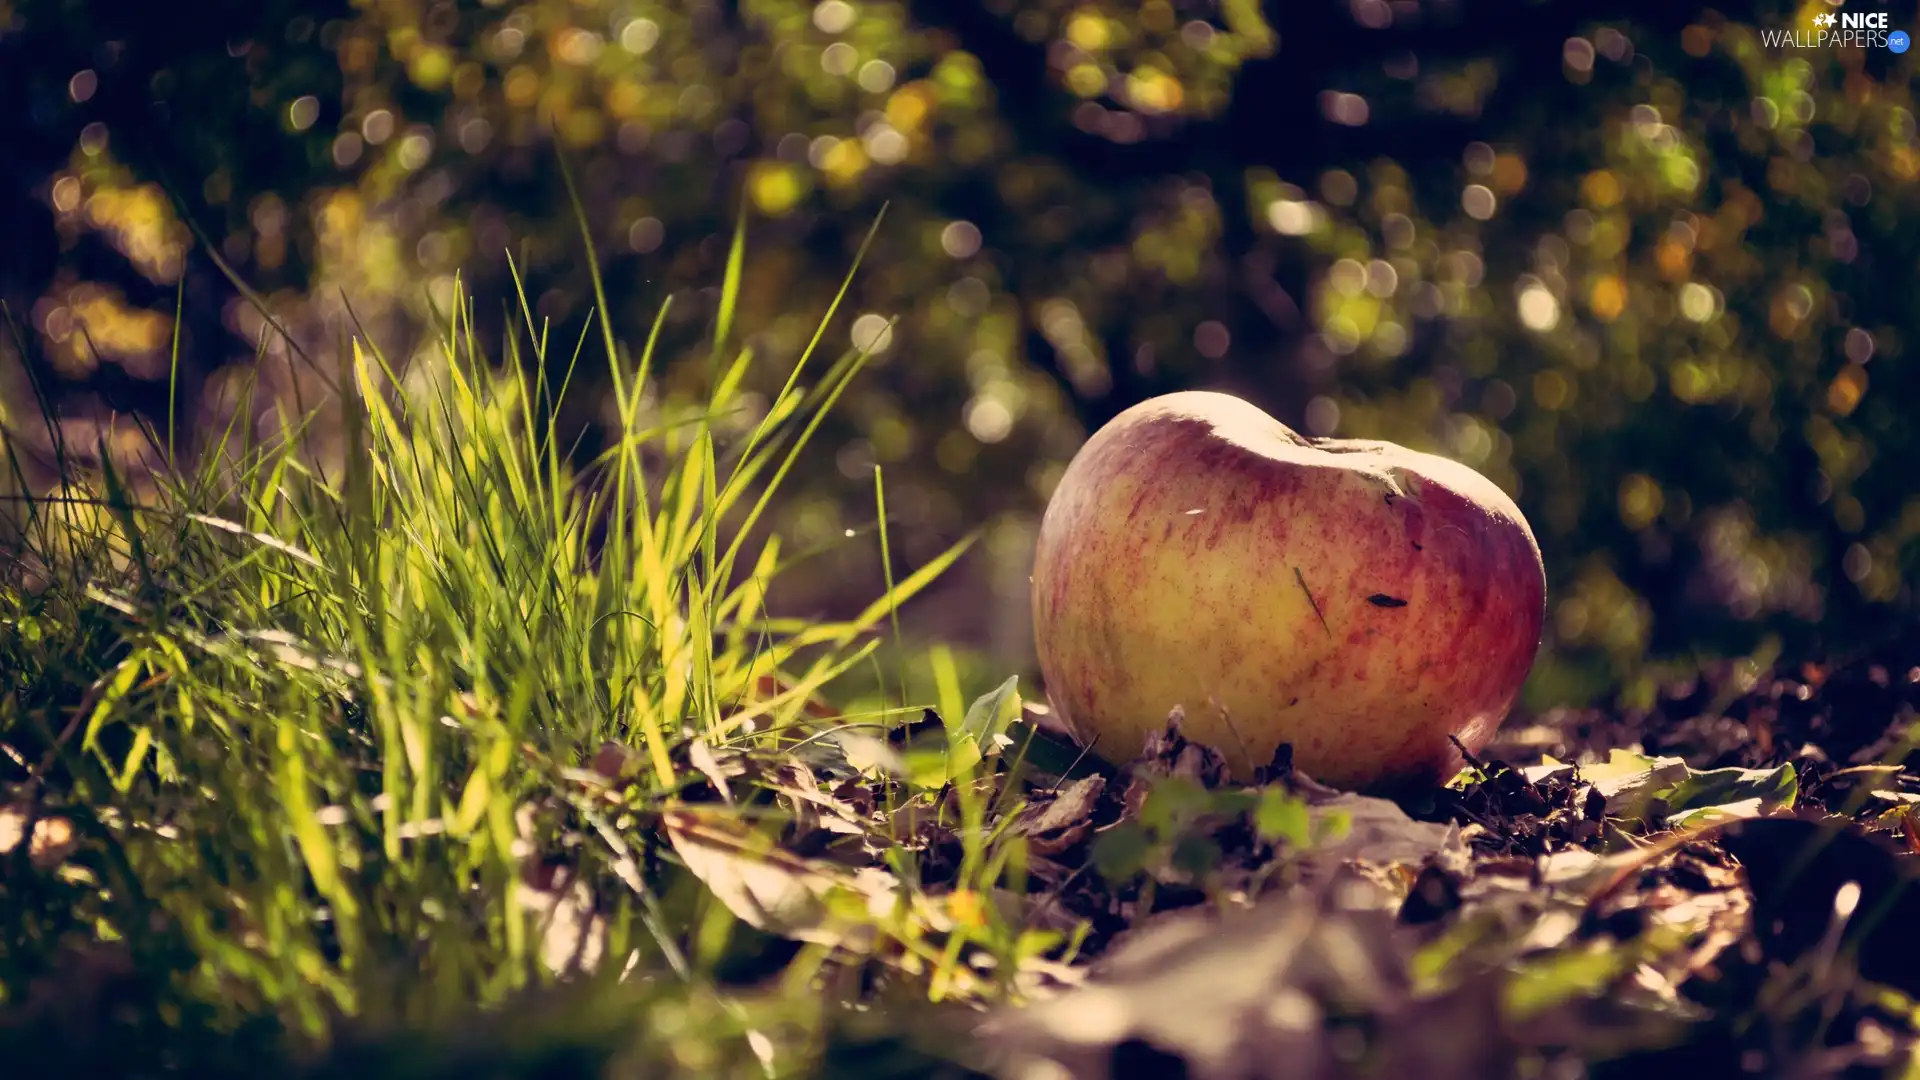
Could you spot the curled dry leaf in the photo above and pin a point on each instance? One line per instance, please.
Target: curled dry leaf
(814, 808)
(1275, 990)
(1378, 831)
(702, 757)
(1169, 753)
(774, 890)
(1064, 820)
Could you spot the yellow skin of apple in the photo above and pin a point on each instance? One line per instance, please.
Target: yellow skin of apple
(1358, 600)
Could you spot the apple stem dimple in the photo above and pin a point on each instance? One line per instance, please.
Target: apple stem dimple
(1311, 602)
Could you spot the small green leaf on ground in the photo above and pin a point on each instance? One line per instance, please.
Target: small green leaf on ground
(1633, 784)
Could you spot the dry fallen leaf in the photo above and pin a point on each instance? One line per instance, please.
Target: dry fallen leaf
(702, 757)
(1064, 820)
(1379, 833)
(1257, 992)
(812, 806)
(771, 889)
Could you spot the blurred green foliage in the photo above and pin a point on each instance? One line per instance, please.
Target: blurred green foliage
(1652, 274)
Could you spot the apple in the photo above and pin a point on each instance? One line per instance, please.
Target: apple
(1361, 601)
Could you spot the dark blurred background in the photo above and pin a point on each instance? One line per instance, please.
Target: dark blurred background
(1648, 267)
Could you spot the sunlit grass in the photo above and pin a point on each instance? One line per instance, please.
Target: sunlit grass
(408, 730)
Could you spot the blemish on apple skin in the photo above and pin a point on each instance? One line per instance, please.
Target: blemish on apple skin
(1414, 518)
(1139, 500)
(1311, 602)
(1383, 600)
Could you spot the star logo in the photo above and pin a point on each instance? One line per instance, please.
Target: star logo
(1825, 19)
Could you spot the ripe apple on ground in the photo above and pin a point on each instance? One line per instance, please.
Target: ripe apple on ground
(1358, 600)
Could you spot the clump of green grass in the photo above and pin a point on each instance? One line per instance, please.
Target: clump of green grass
(297, 745)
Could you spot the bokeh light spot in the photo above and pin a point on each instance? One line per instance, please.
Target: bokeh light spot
(1323, 415)
(839, 58)
(1382, 278)
(1600, 189)
(960, 239)
(885, 144)
(1551, 390)
(1347, 277)
(415, 151)
(1696, 301)
(875, 77)
(872, 333)
(833, 16)
(988, 419)
(1478, 201)
(1640, 500)
(303, 112)
(1290, 217)
(1347, 110)
(639, 36)
(1212, 339)
(1608, 298)
(1088, 30)
(1539, 308)
(1859, 346)
(646, 235)
(377, 127)
(1577, 55)
(1846, 390)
